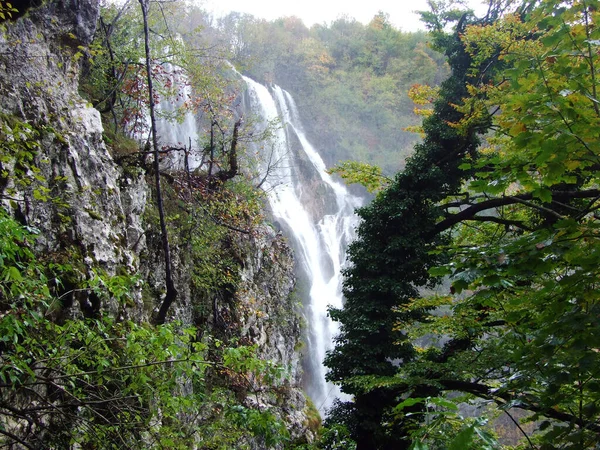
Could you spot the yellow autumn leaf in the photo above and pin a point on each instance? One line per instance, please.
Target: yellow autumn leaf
(517, 128)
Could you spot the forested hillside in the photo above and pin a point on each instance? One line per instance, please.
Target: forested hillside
(351, 81)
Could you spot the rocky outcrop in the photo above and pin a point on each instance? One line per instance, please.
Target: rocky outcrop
(269, 314)
(85, 208)
(90, 212)
(270, 317)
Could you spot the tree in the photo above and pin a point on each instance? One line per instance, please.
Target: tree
(114, 74)
(390, 259)
(524, 256)
(517, 229)
(171, 293)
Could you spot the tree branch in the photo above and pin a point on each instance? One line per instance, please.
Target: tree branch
(16, 438)
(501, 221)
(470, 212)
(171, 293)
(485, 392)
(518, 425)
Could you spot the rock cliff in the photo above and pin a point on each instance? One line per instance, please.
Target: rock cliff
(59, 179)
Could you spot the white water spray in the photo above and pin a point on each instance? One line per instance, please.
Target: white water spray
(318, 218)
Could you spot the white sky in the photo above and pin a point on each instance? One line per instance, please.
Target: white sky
(325, 11)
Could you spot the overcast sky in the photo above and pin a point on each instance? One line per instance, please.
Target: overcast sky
(324, 11)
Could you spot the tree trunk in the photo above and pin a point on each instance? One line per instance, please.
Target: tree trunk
(171, 294)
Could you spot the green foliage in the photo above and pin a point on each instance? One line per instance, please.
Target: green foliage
(120, 144)
(261, 423)
(364, 174)
(313, 416)
(21, 164)
(241, 360)
(103, 383)
(512, 224)
(423, 97)
(18, 273)
(336, 437)
(19, 144)
(204, 223)
(528, 307)
(6, 11)
(444, 427)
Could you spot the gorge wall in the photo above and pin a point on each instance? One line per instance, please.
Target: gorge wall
(60, 180)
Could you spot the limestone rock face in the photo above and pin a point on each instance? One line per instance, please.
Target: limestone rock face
(270, 317)
(269, 313)
(81, 202)
(91, 211)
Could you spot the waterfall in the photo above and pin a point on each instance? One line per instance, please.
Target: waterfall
(176, 122)
(314, 211)
(317, 214)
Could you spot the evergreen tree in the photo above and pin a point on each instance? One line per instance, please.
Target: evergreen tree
(391, 257)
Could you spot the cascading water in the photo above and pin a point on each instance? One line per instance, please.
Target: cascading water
(317, 213)
(176, 125)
